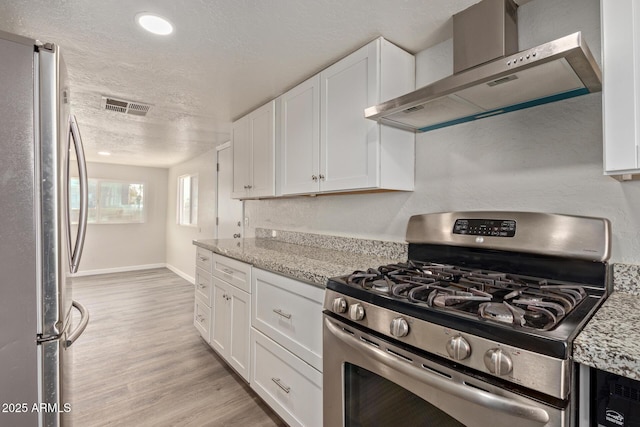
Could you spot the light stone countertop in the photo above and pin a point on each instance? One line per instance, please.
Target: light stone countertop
(611, 339)
(307, 263)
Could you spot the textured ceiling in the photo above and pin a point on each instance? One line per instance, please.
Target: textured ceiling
(225, 58)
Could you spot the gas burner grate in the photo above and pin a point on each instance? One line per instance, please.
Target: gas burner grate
(523, 302)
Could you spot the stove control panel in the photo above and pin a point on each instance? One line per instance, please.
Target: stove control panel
(516, 365)
(485, 227)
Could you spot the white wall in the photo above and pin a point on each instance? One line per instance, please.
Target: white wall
(547, 158)
(180, 252)
(118, 247)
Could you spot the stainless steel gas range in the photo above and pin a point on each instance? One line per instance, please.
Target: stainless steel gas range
(476, 329)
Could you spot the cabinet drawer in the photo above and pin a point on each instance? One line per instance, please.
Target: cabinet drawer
(290, 313)
(204, 259)
(201, 319)
(232, 271)
(203, 286)
(292, 388)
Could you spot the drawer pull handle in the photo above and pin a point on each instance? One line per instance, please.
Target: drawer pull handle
(227, 270)
(200, 318)
(282, 313)
(203, 258)
(279, 384)
(201, 286)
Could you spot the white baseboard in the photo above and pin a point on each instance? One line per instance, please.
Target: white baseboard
(182, 274)
(120, 269)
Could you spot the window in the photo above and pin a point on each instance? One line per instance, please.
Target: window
(188, 200)
(110, 201)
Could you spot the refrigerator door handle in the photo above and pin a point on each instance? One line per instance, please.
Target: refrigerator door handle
(76, 139)
(84, 321)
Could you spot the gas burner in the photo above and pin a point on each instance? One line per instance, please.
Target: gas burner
(502, 312)
(503, 298)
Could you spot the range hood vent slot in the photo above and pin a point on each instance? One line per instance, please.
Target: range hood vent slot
(483, 86)
(123, 106)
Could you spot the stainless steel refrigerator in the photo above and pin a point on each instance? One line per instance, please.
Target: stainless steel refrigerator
(42, 237)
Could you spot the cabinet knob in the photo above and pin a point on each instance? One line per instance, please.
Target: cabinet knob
(321, 177)
(236, 235)
(314, 178)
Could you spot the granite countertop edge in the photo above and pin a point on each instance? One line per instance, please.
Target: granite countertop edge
(309, 264)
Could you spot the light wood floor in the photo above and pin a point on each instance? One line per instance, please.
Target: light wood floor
(141, 362)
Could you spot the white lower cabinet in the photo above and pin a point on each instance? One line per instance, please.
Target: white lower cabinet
(222, 310)
(230, 325)
(286, 346)
(268, 328)
(290, 386)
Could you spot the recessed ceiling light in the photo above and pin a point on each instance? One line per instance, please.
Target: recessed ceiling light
(104, 153)
(154, 23)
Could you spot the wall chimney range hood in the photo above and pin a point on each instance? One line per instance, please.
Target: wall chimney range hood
(491, 77)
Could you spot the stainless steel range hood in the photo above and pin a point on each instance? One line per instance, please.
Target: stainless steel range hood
(557, 70)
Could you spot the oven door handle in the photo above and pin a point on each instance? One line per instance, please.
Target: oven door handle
(470, 394)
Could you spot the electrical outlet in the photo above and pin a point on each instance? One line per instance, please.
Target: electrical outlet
(246, 221)
(274, 233)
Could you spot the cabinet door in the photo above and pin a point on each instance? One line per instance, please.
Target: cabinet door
(262, 125)
(349, 142)
(621, 41)
(220, 328)
(239, 305)
(299, 140)
(241, 146)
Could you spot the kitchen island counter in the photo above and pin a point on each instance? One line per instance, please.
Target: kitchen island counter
(611, 339)
(310, 264)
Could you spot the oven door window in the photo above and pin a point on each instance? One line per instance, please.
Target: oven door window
(371, 400)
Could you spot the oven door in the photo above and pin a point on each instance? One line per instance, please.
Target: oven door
(369, 381)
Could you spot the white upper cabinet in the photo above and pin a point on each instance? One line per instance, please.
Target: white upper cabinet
(299, 141)
(621, 86)
(326, 144)
(253, 141)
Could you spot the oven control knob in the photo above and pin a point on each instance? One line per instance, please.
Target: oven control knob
(498, 362)
(356, 311)
(458, 348)
(399, 327)
(339, 305)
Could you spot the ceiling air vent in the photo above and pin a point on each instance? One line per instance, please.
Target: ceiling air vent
(123, 106)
